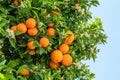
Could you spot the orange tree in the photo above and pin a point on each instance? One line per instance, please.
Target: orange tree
(48, 39)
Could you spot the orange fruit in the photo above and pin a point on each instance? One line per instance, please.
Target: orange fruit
(50, 24)
(56, 56)
(30, 23)
(50, 31)
(32, 31)
(55, 13)
(32, 52)
(25, 72)
(77, 5)
(30, 45)
(67, 60)
(15, 2)
(44, 42)
(64, 48)
(21, 27)
(70, 38)
(54, 65)
(14, 28)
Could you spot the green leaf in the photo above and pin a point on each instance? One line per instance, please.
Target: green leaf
(3, 32)
(2, 63)
(13, 63)
(12, 42)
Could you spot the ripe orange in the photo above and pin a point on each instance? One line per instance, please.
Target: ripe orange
(70, 38)
(32, 31)
(64, 48)
(25, 72)
(30, 23)
(77, 5)
(21, 27)
(14, 28)
(56, 56)
(30, 45)
(15, 2)
(50, 24)
(67, 60)
(44, 42)
(50, 31)
(55, 13)
(32, 52)
(54, 65)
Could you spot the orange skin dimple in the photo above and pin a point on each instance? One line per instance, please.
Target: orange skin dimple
(44, 42)
(30, 23)
(21, 27)
(50, 31)
(50, 24)
(25, 72)
(64, 48)
(14, 28)
(30, 45)
(56, 56)
(32, 31)
(54, 65)
(67, 60)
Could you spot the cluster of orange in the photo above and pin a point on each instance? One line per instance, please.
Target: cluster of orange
(61, 55)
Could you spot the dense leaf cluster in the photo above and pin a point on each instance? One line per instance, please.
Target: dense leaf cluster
(14, 55)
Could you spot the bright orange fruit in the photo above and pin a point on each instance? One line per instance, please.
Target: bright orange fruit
(21, 27)
(70, 38)
(30, 23)
(67, 60)
(14, 28)
(30, 45)
(64, 48)
(56, 56)
(32, 31)
(54, 65)
(50, 24)
(25, 72)
(16, 2)
(44, 42)
(50, 31)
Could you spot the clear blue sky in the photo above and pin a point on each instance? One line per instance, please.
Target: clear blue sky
(107, 65)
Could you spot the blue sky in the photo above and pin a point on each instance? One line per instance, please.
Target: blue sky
(107, 66)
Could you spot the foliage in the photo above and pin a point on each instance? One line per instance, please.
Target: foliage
(14, 55)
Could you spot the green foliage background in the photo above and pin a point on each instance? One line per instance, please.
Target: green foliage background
(14, 55)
